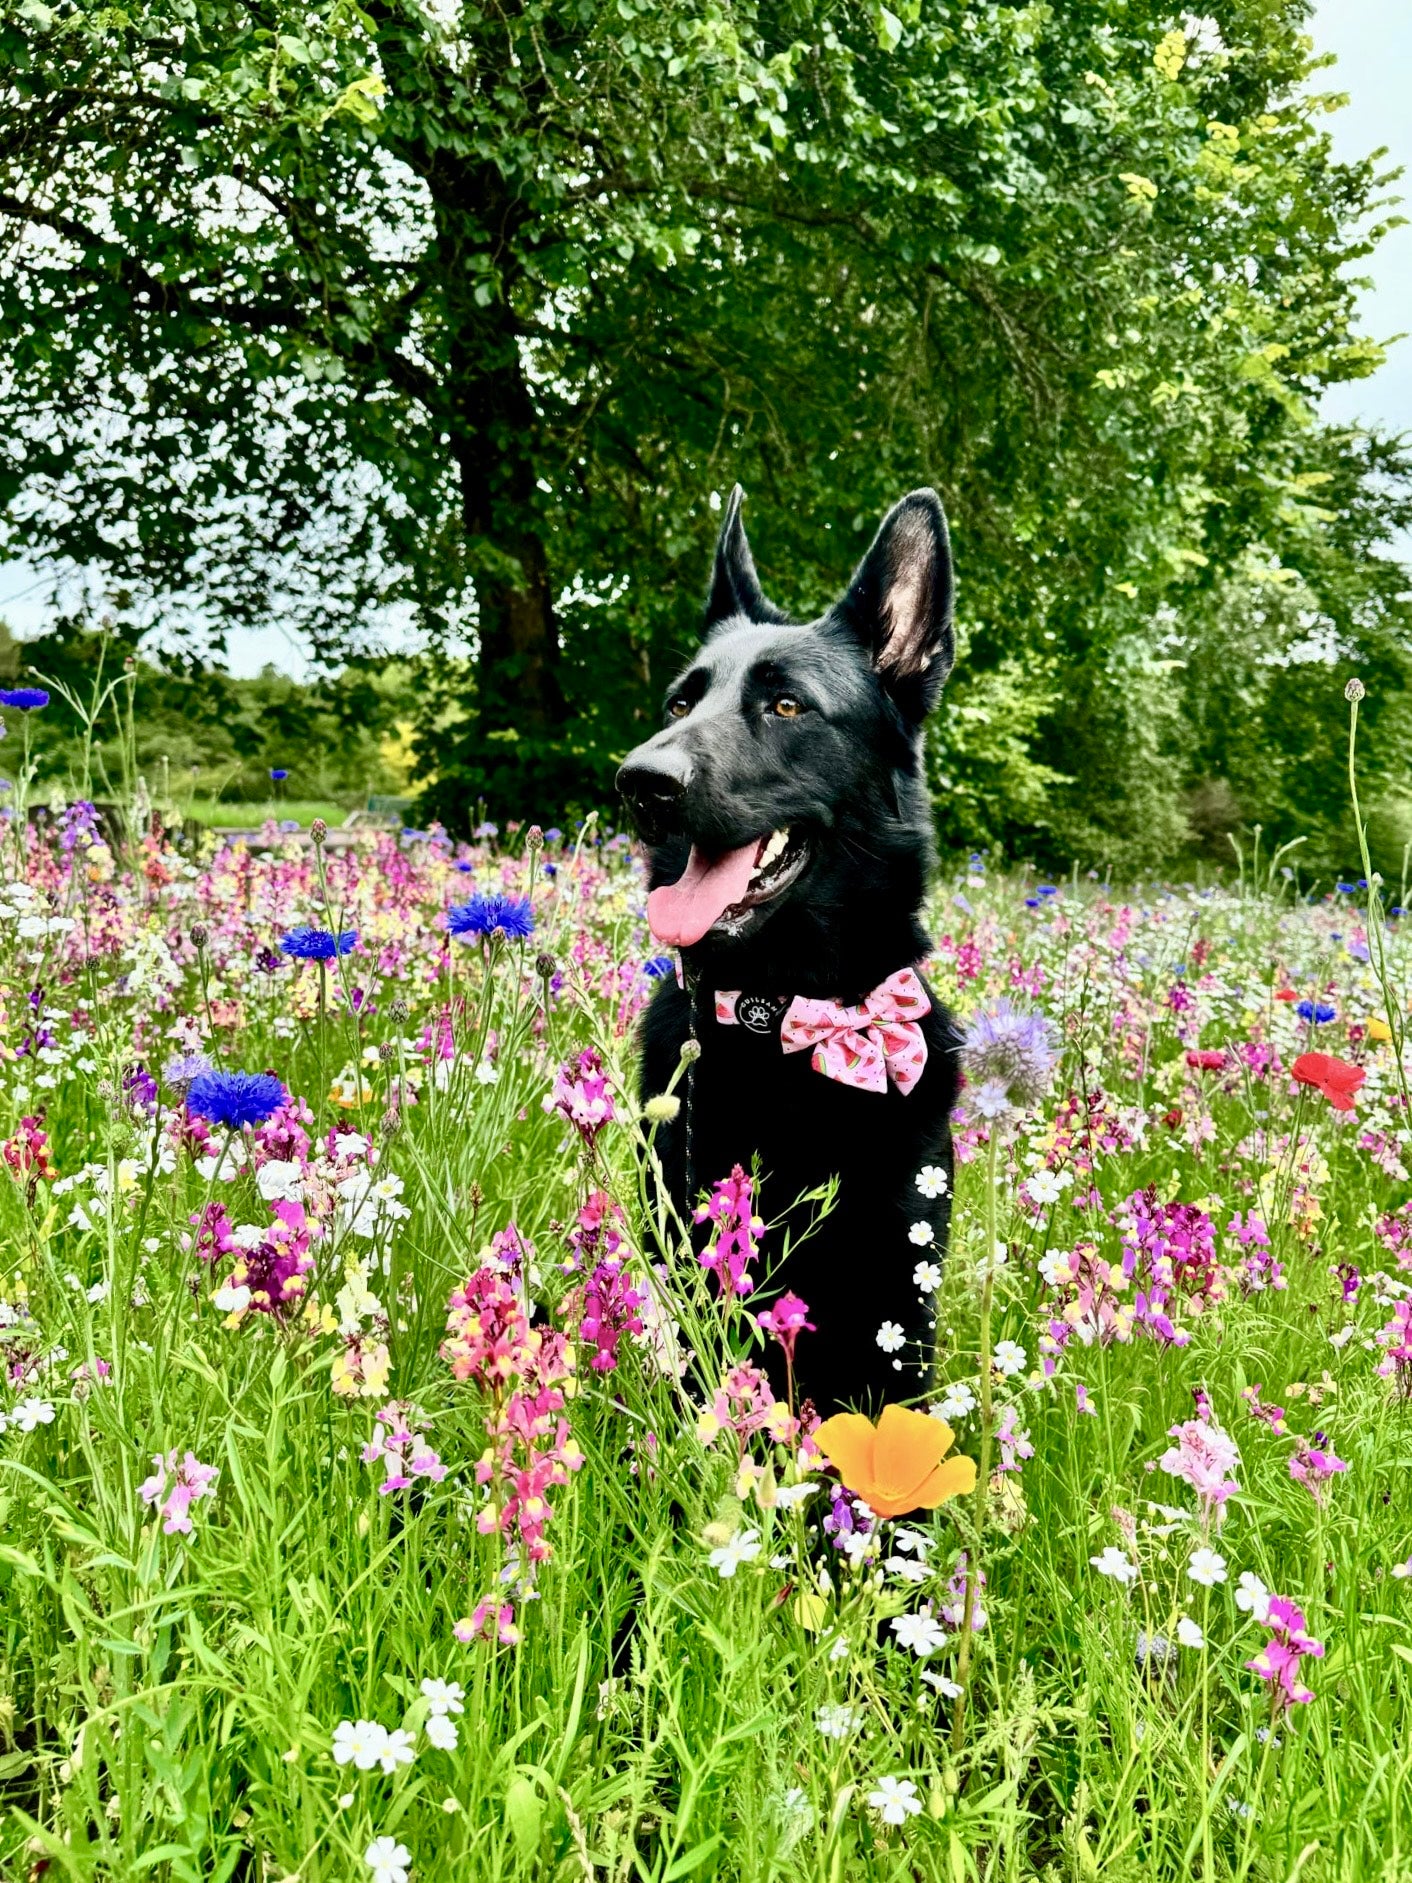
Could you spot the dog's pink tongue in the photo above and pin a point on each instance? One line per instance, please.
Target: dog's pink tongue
(681, 912)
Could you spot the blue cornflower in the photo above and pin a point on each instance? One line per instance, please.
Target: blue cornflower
(659, 967)
(463, 866)
(482, 915)
(553, 834)
(1031, 902)
(235, 1098)
(486, 829)
(977, 864)
(1047, 889)
(317, 944)
(24, 699)
(278, 773)
(1318, 1011)
(1345, 889)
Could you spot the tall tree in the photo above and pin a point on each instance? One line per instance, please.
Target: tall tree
(461, 311)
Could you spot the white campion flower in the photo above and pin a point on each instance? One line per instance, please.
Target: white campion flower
(1189, 1633)
(281, 1180)
(31, 1413)
(1045, 1187)
(1008, 1358)
(894, 1800)
(1206, 1568)
(743, 1547)
(1252, 1597)
(1112, 1562)
(444, 1696)
(956, 1402)
(397, 1749)
(387, 1860)
(927, 1277)
(922, 1234)
(441, 1731)
(1056, 1268)
(932, 1180)
(890, 1337)
(231, 1298)
(921, 1634)
(358, 1742)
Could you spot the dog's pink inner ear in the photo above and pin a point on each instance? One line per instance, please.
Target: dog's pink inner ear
(907, 627)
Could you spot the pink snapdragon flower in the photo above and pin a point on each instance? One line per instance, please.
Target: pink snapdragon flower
(173, 1488)
(402, 1450)
(1205, 1458)
(733, 1242)
(1396, 1341)
(582, 1093)
(1278, 1661)
(785, 1321)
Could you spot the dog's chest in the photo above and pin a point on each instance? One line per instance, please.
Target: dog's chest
(752, 1099)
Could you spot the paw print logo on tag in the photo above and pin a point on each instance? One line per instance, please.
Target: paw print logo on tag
(759, 1013)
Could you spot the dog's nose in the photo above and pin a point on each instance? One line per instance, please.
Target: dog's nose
(652, 786)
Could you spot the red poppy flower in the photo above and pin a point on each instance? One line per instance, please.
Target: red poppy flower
(1206, 1062)
(1335, 1078)
(1287, 993)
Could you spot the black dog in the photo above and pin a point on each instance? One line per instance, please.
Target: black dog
(785, 811)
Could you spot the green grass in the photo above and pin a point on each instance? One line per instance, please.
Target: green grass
(249, 814)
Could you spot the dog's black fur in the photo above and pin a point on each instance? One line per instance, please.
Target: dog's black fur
(845, 772)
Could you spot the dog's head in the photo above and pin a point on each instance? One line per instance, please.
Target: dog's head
(787, 774)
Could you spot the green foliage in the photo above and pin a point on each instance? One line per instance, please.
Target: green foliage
(197, 732)
(465, 312)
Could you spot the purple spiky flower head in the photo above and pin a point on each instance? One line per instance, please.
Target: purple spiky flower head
(1008, 1057)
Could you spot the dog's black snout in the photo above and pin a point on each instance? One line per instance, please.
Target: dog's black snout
(652, 786)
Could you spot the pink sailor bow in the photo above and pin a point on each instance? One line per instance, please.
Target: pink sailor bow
(866, 1045)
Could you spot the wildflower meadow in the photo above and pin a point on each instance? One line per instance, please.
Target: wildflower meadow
(393, 1489)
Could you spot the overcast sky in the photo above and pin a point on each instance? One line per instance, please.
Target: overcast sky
(1373, 43)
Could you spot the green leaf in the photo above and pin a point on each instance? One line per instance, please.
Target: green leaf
(524, 1814)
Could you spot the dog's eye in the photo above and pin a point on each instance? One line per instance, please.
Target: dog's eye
(678, 708)
(786, 707)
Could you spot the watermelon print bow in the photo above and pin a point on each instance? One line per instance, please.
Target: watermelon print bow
(864, 1046)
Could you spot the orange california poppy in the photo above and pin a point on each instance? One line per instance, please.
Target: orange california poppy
(896, 1465)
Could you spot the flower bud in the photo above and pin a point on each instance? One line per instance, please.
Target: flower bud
(399, 1010)
(534, 838)
(690, 1052)
(546, 966)
(318, 831)
(200, 934)
(662, 1109)
(1355, 690)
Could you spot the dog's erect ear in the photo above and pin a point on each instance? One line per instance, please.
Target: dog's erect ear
(899, 602)
(735, 587)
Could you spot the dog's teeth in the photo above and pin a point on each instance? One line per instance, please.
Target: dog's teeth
(772, 849)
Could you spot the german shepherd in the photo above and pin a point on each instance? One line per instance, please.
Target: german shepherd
(784, 812)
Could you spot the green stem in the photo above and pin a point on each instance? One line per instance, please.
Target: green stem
(973, 1555)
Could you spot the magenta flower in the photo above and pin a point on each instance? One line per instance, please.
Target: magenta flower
(1015, 1445)
(1313, 1465)
(174, 1488)
(786, 1321)
(1278, 1661)
(581, 1092)
(403, 1451)
(733, 1243)
(607, 1305)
